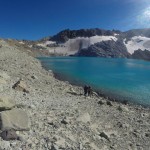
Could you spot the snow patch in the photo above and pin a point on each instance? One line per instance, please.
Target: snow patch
(46, 43)
(21, 42)
(49, 42)
(137, 42)
(115, 34)
(41, 44)
(30, 46)
(84, 42)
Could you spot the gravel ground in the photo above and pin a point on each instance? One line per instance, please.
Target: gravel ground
(62, 118)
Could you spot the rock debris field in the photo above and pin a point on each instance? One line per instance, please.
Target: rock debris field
(39, 112)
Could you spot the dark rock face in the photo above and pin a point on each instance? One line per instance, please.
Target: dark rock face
(105, 49)
(137, 32)
(139, 54)
(63, 36)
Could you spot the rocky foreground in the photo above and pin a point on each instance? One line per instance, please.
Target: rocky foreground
(38, 112)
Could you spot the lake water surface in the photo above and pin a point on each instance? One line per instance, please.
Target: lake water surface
(123, 79)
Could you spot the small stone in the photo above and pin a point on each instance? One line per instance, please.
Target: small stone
(120, 108)
(20, 138)
(20, 86)
(109, 103)
(119, 124)
(123, 109)
(135, 134)
(33, 77)
(3, 80)
(5, 145)
(104, 135)
(64, 122)
(140, 121)
(84, 118)
(18, 132)
(147, 134)
(125, 102)
(6, 103)
(9, 135)
(100, 102)
(61, 143)
(54, 147)
(80, 146)
(4, 75)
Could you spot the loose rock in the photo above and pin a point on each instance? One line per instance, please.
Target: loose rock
(104, 135)
(6, 103)
(109, 103)
(14, 119)
(9, 135)
(84, 118)
(20, 86)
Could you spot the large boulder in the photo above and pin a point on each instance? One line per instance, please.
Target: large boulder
(6, 103)
(16, 119)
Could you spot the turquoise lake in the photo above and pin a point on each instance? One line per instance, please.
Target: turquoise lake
(123, 79)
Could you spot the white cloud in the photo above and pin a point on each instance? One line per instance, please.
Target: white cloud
(143, 19)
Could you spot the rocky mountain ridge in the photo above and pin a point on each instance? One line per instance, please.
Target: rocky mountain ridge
(102, 43)
(92, 43)
(67, 34)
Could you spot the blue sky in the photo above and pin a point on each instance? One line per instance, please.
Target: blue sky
(34, 19)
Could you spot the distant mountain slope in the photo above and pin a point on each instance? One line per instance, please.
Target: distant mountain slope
(94, 42)
(137, 32)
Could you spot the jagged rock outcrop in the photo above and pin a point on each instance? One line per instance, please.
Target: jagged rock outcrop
(105, 49)
(139, 54)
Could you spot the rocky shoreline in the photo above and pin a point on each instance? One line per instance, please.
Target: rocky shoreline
(59, 116)
(99, 93)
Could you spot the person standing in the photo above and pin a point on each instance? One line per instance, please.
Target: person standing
(89, 91)
(85, 90)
